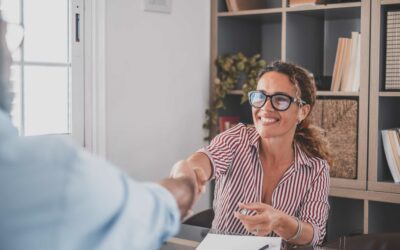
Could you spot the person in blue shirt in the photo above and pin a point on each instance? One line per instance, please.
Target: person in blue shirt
(55, 196)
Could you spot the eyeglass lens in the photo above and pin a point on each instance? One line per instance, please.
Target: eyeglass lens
(278, 101)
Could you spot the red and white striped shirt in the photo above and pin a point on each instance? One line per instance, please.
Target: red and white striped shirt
(302, 191)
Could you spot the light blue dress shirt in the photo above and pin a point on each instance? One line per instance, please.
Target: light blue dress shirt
(53, 196)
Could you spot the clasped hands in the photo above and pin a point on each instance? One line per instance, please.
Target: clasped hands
(195, 174)
(263, 222)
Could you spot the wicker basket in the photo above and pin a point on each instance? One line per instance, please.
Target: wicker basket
(339, 120)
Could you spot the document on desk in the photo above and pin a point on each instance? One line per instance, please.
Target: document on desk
(239, 242)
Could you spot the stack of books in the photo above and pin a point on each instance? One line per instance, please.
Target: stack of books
(392, 74)
(346, 71)
(391, 145)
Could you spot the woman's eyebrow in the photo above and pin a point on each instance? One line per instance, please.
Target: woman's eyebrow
(274, 93)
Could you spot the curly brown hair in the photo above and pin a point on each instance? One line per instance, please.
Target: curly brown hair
(310, 138)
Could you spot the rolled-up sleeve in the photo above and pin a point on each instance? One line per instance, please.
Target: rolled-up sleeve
(315, 209)
(222, 149)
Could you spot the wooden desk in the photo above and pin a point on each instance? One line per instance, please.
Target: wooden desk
(188, 238)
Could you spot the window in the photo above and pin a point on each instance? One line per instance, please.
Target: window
(47, 70)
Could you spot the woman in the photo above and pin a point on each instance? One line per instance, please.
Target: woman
(273, 178)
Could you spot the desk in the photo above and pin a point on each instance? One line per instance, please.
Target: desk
(190, 237)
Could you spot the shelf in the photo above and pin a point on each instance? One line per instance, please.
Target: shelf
(380, 196)
(348, 183)
(389, 2)
(390, 93)
(236, 92)
(337, 93)
(389, 187)
(249, 12)
(323, 7)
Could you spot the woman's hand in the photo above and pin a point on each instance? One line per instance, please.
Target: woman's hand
(182, 168)
(264, 222)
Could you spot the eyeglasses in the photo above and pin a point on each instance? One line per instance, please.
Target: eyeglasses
(279, 101)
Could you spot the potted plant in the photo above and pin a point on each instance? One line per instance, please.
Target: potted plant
(235, 71)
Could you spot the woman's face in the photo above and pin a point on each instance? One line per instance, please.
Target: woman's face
(271, 123)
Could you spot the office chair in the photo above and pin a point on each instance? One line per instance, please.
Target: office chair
(201, 219)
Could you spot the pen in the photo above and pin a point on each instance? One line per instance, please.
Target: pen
(264, 247)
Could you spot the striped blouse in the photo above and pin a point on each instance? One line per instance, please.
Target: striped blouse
(302, 191)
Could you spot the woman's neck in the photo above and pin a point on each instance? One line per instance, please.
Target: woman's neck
(276, 151)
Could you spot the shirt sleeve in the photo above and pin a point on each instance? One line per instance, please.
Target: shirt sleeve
(106, 209)
(315, 209)
(222, 149)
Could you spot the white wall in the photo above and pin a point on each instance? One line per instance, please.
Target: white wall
(157, 85)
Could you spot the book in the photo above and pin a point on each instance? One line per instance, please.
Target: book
(395, 147)
(345, 65)
(388, 145)
(228, 5)
(294, 3)
(227, 122)
(357, 69)
(392, 61)
(338, 67)
(351, 72)
(238, 5)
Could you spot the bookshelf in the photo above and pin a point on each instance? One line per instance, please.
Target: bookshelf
(384, 105)
(308, 35)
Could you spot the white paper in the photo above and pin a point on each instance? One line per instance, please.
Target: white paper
(238, 242)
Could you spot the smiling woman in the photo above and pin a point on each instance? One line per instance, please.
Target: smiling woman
(277, 171)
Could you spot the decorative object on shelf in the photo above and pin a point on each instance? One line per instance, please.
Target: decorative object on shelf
(227, 122)
(234, 71)
(391, 146)
(237, 5)
(338, 117)
(392, 67)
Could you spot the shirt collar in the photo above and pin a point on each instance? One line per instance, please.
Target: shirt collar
(300, 157)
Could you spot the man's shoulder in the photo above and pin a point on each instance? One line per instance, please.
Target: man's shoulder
(39, 151)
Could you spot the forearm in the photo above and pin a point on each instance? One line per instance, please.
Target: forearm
(183, 190)
(287, 227)
(200, 161)
(197, 164)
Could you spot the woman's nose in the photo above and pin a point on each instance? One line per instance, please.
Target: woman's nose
(267, 105)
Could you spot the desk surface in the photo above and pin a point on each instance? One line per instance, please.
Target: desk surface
(190, 237)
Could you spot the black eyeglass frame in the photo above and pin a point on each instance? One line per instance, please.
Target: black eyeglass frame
(291, 99)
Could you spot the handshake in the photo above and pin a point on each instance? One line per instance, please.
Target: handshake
(186, 183)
